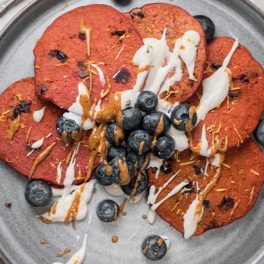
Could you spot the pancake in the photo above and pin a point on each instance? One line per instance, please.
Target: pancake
(240, 113)
(17, 105)
(231, 198)
(151, 20)
(63, 58)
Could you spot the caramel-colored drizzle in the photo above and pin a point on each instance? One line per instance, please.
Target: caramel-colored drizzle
(13, 127)
(119, 133)
(40, 158)
(202, 195)
(189, 125)
(63, 252)
(74, 208)
(88, 32)
(139, 174)
(124, 173)
(158, 131)
(108, 170)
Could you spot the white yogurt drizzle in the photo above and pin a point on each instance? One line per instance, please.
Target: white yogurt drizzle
(70, 172)
(76, 107)
(39, 114)
(65, 201)
(37, 144)
(155, 163)
(191, 219)
(216, 87)
(100, 73)
(153, 195)
(79, 256)
(216, 162)
(204, 147)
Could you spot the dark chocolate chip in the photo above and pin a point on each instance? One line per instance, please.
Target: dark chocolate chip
(226, 203)
(244, 78)
(122, 76)
(83, 74)
(82, 36)
(198, 170)
(137, 14)
(206, 204)
(22, 107)
(234, 94)
(8, 205)
(118, 33)
(59, 55)
(216, 66)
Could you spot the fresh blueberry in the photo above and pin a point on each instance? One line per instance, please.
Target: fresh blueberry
(259, 133)
(110, 133)
(38, 193)
(132, 118)
(164, 147)
(135, 159)
(116, 152)
(207, 25)
(103, 174)
(120, 169)
(147, 101)
(139, 141)
(68, 129)
(153, 123)
(107, 210)
(180, 117)
(141, 186)
(154, 247)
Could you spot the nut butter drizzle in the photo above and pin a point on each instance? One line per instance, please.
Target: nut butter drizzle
(40, 158)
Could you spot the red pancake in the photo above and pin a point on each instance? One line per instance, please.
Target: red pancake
(14, 150)
(150, 20)
(232, 197)
(240, 113)
(62, 61)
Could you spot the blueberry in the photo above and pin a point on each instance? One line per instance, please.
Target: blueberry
(141, 186)
(259, 133)
(207, 25)
(139, 141)
(38, 193)
(132, 118)
(103, 174)
(135, 159)
(154, 247)
(116, 152)
(122, 171)
(107, 210)
(164, 147)
(110, 133)
(153, 123)
(147, 101)
(180, 117)
(68, 129)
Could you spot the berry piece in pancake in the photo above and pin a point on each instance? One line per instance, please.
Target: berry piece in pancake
(151, 20)
(20, 134)
(238, 115)
(230, 194)
(93, 44)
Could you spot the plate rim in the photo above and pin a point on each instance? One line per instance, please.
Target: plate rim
(259, 254)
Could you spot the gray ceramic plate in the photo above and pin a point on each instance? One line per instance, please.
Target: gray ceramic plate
(21, 232)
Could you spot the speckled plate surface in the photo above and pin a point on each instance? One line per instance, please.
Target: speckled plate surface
(21, 231)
